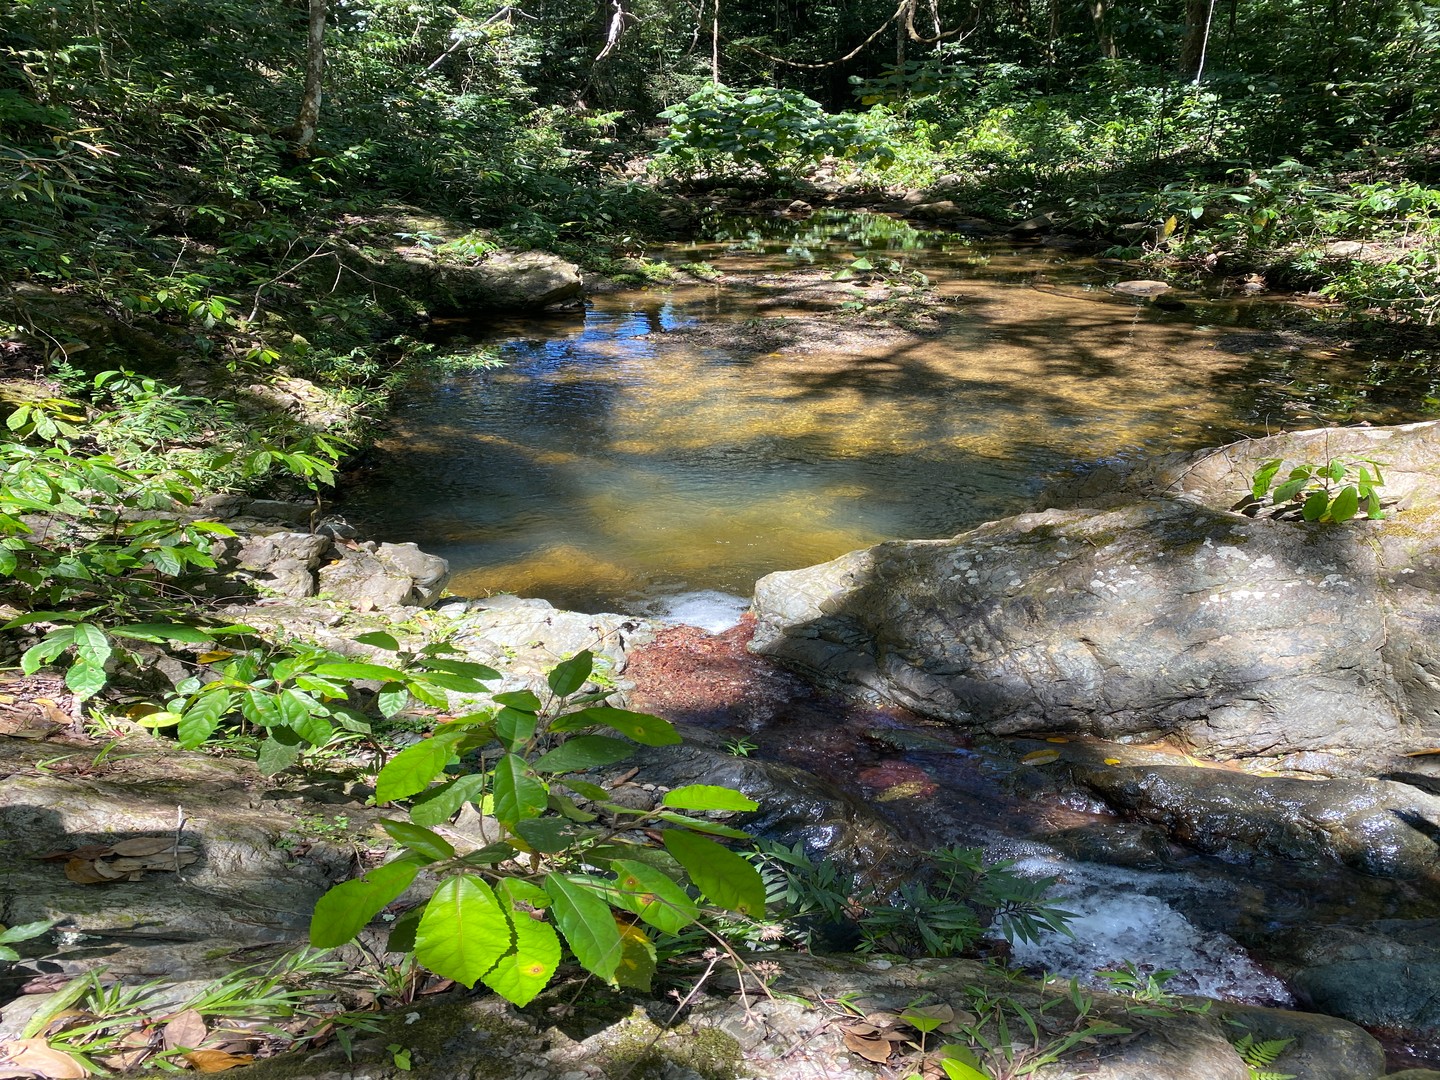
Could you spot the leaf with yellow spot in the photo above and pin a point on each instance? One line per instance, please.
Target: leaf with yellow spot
(522, 973)
(214, 655)
(1040, 757)
(637, 957)
(1057, 738)
(1112, 761)
(653, 896)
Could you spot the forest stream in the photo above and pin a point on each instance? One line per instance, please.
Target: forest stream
(660, 453)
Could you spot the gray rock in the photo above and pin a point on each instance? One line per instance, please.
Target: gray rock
(1145, 289)
(504, 281)
(529, 637)
(283, 562)
(1315, 648)
(370, 576)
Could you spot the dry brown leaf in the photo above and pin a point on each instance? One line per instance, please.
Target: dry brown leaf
(871, 1048)
(145, 845)
(882, 1019)
(125, 1060)
(37, 1056)
(83, 872)
(187, 1029)
(89, 851)
(213, 1061)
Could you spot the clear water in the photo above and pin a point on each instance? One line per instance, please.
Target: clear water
(687, 440)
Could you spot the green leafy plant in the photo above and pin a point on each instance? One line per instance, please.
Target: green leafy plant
(1258, 1056)
(719, 131)
(13, 935)
(551, 869)
(1147, 990)
(301, 697)
(1333, 492)
(1009, 1039)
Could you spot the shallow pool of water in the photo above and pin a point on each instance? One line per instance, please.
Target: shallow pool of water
(684, 440)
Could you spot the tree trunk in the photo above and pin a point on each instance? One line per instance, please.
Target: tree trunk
(307, 121)
(1103, 37)
(715, 44)
(1197, 30)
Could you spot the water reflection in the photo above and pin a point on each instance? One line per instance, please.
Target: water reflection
(699, 437)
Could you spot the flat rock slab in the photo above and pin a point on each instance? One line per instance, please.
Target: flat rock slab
(1314, 648)
(245, 889)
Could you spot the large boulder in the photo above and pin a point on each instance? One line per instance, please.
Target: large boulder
(1160, 613)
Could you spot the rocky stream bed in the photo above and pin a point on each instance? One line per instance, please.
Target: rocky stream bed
(1135, 689)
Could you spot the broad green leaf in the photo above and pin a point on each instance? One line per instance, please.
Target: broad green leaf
(1315, 506)
(422, 841)
(91, 644)
(348, 908)
(514, 728)
(587, 923)
(518, 792)
(1346, 504)
(569, 676)
(652, 895)
(8, 562)
(513, 891)
(1263, 477)
(714, 828)
(461, 684)
(302, 714)
(410, 771)
(956, 1069)
(637, 957)
(426, 694)
(351, 670)
(281, 749)
(202, 717)
(378, 639)
(548, 835)
(523, 700)
(584, 752)
(523, 973)
(708, 797)
(1291, 488)
(440, 804)
(392, 698)
(463, 667)
(583, 788)
(643, 728)
(46, 649)
(463, 931)
(158, 720)
(260, 709)
(164, 632)
(85, 679)
(721, 875)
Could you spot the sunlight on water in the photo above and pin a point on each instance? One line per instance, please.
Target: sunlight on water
(677, 441)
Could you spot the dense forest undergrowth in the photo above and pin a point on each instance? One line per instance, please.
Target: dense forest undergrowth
(196, 196)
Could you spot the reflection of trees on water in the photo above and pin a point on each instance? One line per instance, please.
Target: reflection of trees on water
(826, 232)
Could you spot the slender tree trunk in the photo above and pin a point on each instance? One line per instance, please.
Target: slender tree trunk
(1197, 32)
(1103, 37)
(715, 44)
(307, 121)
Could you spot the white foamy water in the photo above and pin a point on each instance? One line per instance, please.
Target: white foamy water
(707, 609)
(1117, 923)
